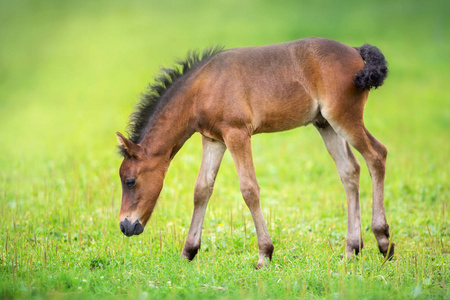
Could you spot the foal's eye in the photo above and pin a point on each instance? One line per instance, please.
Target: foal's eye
(130, 182)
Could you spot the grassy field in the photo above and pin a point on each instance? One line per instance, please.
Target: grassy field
(70, 73)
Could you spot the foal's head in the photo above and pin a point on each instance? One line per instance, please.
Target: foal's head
(142, 177)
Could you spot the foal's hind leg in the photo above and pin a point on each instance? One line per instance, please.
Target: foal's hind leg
(374, 153)
(375, 158)
(348, 169)
(239, 144)
(212, 156)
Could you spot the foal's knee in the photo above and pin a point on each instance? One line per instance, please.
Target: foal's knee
(352, 170)
(203, 189)
(250, 193)
(350, 174)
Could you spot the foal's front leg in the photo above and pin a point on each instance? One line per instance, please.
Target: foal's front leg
(239, 144)
(212, 156)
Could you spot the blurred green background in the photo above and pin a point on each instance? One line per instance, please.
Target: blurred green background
(71, 72)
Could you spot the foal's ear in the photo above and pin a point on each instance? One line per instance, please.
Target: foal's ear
(127, 147)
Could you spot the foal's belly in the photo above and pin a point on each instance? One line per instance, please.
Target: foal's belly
(294, 107)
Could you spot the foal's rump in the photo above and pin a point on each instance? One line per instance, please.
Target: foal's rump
(278, 87)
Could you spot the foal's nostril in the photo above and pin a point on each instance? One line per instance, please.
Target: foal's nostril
(138, 229)
(126, 228)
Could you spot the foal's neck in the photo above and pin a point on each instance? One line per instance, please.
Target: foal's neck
(169, 129)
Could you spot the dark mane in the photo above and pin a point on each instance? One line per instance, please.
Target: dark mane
(148, 104)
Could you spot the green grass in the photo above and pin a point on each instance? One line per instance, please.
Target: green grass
(70, 73)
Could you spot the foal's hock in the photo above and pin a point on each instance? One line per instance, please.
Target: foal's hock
(229, 95)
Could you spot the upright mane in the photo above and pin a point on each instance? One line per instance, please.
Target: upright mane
(163, 82)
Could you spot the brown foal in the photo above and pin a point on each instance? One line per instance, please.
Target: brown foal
(229, 95)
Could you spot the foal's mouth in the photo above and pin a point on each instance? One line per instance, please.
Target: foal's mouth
(131, 229)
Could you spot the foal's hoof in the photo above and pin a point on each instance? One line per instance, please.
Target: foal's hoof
(391, 252)
(189, 253)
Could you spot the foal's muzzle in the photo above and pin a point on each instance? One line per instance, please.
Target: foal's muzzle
(131, 229)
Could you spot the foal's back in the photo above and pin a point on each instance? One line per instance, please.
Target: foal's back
(276, 87)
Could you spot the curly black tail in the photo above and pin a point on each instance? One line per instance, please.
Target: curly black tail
(375, 70)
